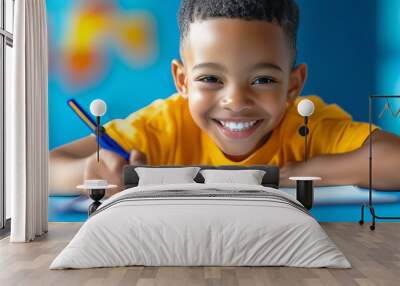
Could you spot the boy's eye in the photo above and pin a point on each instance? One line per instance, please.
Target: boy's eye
(263, 80)
(209, 79)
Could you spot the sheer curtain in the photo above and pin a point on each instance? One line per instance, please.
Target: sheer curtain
(27, 123)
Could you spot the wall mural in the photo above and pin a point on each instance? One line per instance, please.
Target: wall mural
(120, 51)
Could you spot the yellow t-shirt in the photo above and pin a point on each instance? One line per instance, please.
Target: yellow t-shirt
(166, 133)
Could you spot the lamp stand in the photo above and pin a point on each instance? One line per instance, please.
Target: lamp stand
(97, 137)
(370, 205)
(304, 132)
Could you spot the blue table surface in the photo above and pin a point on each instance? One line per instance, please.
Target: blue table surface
(331, 204)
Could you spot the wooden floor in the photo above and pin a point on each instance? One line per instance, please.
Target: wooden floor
(375, 257)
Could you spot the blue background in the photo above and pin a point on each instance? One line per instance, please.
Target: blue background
(351, 48)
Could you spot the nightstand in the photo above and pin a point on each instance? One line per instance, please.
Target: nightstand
(305, 190)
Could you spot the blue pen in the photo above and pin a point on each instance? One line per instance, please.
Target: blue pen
(106, 142)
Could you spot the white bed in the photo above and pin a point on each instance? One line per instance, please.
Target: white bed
(201, 224)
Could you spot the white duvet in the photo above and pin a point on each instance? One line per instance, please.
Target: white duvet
(269, 228)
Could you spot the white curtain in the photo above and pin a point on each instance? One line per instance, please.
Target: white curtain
(27, 123)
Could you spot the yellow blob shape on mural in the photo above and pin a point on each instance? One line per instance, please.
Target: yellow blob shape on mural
(135, 37)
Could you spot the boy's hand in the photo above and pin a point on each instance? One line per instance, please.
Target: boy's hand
(292, 169)
(352, 168)
(137, 158)
(110, 167)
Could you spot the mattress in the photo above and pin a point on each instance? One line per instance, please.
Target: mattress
(201, 225)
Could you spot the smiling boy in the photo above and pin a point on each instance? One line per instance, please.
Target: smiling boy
(238, 86)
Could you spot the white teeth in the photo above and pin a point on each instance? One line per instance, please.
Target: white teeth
(237, 126)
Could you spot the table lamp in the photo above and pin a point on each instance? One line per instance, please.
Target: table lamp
(97, 187)
(98, 108)
(304, 185)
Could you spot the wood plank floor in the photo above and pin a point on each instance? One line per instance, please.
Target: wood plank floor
(375, 257)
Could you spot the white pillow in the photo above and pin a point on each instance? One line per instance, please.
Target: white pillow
(248, 177)
(162, 176)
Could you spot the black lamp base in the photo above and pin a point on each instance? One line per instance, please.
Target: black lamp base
(96, 195)
(305, 193)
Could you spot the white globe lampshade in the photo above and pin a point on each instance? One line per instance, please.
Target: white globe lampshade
(98, 107)
(305, 107)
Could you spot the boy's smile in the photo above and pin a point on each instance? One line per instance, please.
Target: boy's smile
(238, 78)
(237, 128)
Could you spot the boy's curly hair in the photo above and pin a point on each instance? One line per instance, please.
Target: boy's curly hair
(283, 12)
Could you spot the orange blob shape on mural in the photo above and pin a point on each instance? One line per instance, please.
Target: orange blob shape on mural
(94, 29)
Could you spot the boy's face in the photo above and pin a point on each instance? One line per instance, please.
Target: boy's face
(238, 79)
